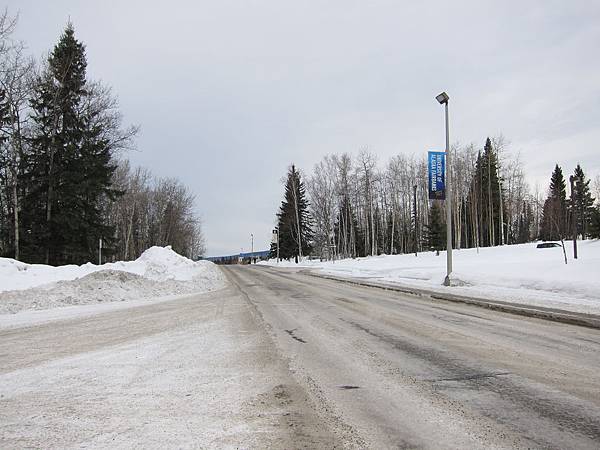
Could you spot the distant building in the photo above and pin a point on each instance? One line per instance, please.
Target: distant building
(240, 258)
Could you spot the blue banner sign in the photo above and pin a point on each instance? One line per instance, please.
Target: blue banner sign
(436, 174)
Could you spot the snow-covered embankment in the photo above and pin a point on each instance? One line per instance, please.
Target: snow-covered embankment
(158, 272)
(520, 274)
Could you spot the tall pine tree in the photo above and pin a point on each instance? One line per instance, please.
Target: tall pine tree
(435, 230)
(524, 224)
(554, 214)
(595, 223)
(583, 207)
(68, 168)
(293, 220)
(485, 201)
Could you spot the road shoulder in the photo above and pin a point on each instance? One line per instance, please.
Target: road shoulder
(556, 315)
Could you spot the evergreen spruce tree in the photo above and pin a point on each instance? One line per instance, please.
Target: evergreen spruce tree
(485, 187)
(68, 168)
(554, 213)
(435, 230)
(595, 223)
(549, 227)
(583, 208)
(95, 190)
(294, 222)
(524, 224)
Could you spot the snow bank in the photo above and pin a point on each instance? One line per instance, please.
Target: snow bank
(158, 272)
(515, 273)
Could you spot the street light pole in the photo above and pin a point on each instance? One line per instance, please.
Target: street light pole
(276, 232)
(574, 180)
(251, 247)
(443, 99)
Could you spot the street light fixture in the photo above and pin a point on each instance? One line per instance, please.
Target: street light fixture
(443, 100)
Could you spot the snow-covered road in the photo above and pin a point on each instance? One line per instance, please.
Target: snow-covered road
(279, 359)
(190, 373)
(388, 370)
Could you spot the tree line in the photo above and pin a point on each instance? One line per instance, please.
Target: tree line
(64, 181)
(351, 206)
(576, 215)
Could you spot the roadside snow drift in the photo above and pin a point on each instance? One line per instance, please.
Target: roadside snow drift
(513, 273)
(158, 272)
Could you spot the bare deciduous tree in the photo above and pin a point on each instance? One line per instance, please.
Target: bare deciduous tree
(16, 71)
(153, 212)
(372, 210)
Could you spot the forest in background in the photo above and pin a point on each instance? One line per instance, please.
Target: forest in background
(351, 206)
(65, 181)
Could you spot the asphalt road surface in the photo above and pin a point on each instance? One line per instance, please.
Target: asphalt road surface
(280, 359)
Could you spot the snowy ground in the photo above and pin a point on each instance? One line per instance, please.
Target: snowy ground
(199, 372)
(158, 274)
(283, 360)
(513, 273)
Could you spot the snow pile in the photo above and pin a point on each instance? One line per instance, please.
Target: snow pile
(514, 273)
(162, 263)
(158, 272)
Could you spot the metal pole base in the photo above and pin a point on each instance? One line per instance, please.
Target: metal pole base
(447, 280)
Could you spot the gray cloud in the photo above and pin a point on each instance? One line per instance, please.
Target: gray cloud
(229, 93)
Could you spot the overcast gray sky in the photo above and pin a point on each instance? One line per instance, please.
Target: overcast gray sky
(229, 93)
